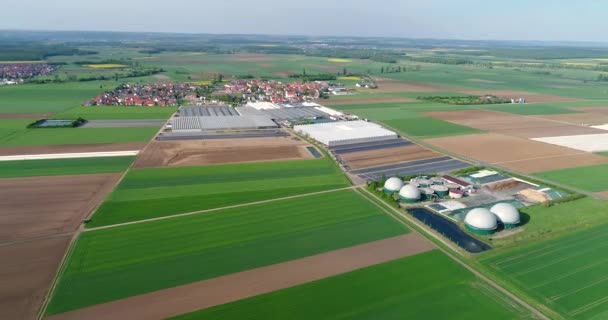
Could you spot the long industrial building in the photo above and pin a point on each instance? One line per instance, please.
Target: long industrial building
(345, 132)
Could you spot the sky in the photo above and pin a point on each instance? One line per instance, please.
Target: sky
(550, 20)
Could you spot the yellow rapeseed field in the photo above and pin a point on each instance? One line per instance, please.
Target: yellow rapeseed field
(339, 60)
(350, 78)
(105, 66)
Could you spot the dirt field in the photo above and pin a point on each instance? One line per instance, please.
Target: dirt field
(530, 96)
(355, 100)
(10, 151)
(516, 153)
(374, 158)
(483, 81)
(204, 294)
(512, 124)
(24, 115)
(43, 206)
(204, 152)
(27, 270)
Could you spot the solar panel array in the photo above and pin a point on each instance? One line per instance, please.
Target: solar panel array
(425, 166)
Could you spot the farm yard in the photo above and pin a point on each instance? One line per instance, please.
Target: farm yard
(157, 192)
(219, 243)
(567, 274)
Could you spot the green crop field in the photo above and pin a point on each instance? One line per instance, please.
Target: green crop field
(119, 262)
(427, 127)
(14, 133)
(568, 274)
(43, 98)
(151, 193)
(589, 178)
(56, 167)
(425, 286)
(116, 112)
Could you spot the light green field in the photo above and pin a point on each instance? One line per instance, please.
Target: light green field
(157, 192)
(53, 97)
(589, 178)
(425, 286)
(116, 112)
(119, 262)
(568, 274)
(56, 167)
(13, 132)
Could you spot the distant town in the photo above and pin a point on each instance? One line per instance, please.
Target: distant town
(16, 73)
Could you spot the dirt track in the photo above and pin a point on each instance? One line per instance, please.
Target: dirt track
(204, 294)
(374, 158)
(512, 124)
(27, 270)
(204, 152)
(516, 153)
(72, 148)
(43, 206)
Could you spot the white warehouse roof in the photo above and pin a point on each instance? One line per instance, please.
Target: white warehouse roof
(345, 132)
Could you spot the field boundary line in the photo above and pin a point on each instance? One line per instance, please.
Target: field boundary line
(218, 209)
(478, 274)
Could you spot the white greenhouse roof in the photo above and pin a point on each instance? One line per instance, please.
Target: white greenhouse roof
(584, 142)
(345, 132)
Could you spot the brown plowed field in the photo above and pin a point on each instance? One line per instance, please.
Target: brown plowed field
(204, 294)
(26, 271)
(374, 158)
(204, 152)
(367, 99)
(530, 96)
(72, 148)
(43, 206)
(584, 118)
(512, 124)
(516, 153)
(24, 115)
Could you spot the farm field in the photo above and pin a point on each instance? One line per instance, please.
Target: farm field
(516, 153)
(589, 178)
(57, 167)
(45, 206)
(567, 274)
(49, 98)
(374, 158)
(428, 285)
(71, 148)
(119, 262)
(116, 113)
(27, 270)
(205, 152)
(14, 133)
(156, 192)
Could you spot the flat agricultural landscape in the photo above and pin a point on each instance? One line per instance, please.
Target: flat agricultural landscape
(157, 192)
(515, 153)
(218, 151)
(567, 274)
(44, 206)
(589, 178)
(71, 148)
(123, 261)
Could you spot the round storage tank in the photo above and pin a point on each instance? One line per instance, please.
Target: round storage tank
(452, 186)
(426, 193)
(393, 185)
(437, 180)
(480, 221)
(441, 191)
(507, 214)
(424, 183)
(456, 194)
(409, 194)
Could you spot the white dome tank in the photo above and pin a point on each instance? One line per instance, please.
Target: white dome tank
(506, 213)
(409, 193)
(481, 220)
(393, 185)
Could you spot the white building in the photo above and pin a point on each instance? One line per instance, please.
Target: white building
(341, 133)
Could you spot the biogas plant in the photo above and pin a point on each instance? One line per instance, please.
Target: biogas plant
(483, 202)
